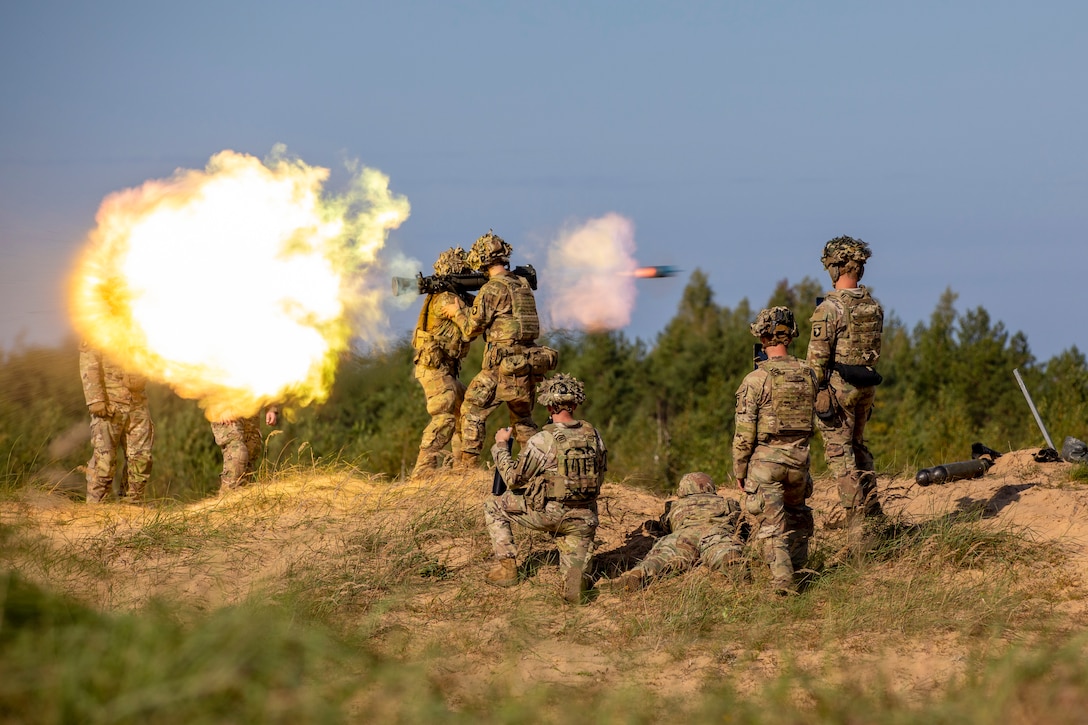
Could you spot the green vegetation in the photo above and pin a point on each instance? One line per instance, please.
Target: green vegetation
(665, 408)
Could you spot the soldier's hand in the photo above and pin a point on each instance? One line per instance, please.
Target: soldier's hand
(740, 483)
(271, 416)
(502, 435)
(99, 409)
(450, 309)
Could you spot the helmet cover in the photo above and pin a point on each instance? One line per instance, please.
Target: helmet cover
(696, 482)
(561, 391)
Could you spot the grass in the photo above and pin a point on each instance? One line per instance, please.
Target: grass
(324, 595)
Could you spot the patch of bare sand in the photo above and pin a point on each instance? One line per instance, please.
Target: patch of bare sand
(253, 540)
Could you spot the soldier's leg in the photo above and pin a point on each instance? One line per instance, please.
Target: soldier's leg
(721, 551)
(442, 405)
(521, 419)
(100, 469)
(140, 439)
(230, 437)
(869, 499)
(479, 404)
(765, 501)
(251, 429)
(575, 531)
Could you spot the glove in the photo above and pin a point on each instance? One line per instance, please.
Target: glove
(100, 409)
(825, 403)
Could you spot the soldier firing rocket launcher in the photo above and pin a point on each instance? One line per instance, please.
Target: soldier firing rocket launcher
(459, 284)
(981, 460)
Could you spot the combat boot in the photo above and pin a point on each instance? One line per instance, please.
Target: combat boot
(629, 581)
(503, 574)
(466, 461)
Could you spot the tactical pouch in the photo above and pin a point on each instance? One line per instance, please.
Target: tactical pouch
(516, 365)
(825, 403)
(543, 359)
(754, 503)
(860, 376)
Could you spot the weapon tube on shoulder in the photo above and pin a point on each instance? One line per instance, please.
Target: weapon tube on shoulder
(956, 471)
(457, 283)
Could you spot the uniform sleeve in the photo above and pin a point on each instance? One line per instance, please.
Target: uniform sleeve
(462, 319)
(821, 344)
(747, 418)
(483, 309)
(90, 371)
(519, 473)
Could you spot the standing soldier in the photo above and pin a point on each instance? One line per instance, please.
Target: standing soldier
(770, 448)
(552, 487)
(241, 443)
(702, 527)
(505, 313)
(440, 342)
(844, 347)
(120, 421)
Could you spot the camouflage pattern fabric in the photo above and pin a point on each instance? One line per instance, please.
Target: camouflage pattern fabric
(124, 429)
(441, 342)
(775, 469)
(848, 458)
(240, 440)
(504, 312)
(703, 527)
(526, 503)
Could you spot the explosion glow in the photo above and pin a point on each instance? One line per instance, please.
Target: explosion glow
(238, 285)
(591, 269)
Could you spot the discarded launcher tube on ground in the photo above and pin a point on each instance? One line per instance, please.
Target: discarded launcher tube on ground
(981, 460)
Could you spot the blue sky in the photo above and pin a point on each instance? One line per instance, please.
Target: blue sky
(737, 136)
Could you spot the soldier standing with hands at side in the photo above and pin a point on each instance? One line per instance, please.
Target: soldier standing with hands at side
(770, 448)
(843, 350)
(120, 423)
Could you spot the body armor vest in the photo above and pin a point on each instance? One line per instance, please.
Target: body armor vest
(436, 343)
(863, 318)
(793, 395)
(522, 323)
(700, 509)
(581, 463)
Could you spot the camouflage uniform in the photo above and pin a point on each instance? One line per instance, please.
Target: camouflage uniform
(505, 313)
(120, 421)
(552, 487)
(441, 341)
(845, 342)
(700, 526)
(771, 456)
(241, 443)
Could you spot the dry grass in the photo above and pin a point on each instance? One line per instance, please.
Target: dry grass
(396, 567)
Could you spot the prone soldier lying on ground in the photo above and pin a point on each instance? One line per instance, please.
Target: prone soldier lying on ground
(702, 527)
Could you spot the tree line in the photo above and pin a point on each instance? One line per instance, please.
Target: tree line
(664, 408)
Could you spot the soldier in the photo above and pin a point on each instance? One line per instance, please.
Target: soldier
(241, 443)
(505, 313)
(120, 421)
(701, 527)
(552, 487)
(770, 448)
(440, 342)
(844, 347)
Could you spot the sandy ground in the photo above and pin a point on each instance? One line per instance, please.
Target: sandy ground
(116, 556)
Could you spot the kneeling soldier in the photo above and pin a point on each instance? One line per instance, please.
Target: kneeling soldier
(552, 486)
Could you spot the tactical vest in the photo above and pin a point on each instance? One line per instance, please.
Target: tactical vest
(581, 463)
(699, 509)
(436, 344)
(863, 319)
(521, 324)
(793, 395)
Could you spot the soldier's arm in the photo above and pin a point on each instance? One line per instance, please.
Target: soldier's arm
(746, 419)
(483, 309)
(90, 372)
(521, 472)
(821, 344)
(456, 311)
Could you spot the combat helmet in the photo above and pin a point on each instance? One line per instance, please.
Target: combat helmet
(845, 254)
(561, 391)
(488, 250)
(452, 261)
(696, 482)
(776, 323)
